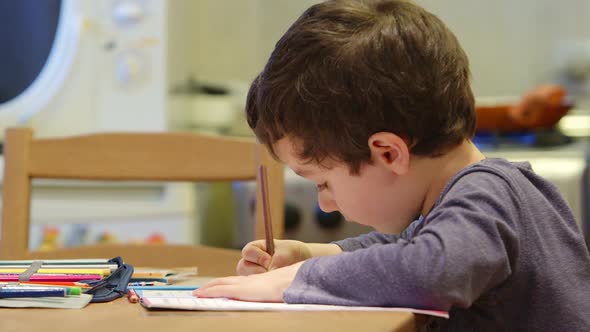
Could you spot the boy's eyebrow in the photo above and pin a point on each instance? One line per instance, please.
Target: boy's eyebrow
(302, 172)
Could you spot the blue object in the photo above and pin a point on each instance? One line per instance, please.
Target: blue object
(168, 288)
(25, 49)
(15, 291)
(485, 140)
(493, 140)
(113, 286)
(522, 138)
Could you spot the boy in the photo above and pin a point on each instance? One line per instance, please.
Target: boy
(371, 101)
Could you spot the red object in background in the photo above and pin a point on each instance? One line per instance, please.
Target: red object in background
(540, 108)
(156, 238)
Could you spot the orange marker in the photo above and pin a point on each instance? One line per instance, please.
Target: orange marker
(58, 283)
(132, 296)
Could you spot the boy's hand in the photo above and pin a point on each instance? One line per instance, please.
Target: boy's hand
(256, 260)
(262, 287)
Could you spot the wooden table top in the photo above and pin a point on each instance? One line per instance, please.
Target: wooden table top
(121, 315)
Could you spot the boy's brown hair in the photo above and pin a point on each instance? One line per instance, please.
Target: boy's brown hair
(347, 69)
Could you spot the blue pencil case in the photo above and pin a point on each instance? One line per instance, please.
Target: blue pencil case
(113, 286)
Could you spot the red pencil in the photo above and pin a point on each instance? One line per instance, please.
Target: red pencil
(132, 296)
(57, 283)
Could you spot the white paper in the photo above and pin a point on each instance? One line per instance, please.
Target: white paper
(184, 300)
(66, 302)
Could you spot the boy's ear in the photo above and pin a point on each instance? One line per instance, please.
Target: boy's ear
(391, 151)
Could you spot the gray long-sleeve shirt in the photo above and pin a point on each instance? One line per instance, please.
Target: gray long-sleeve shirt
(500, 250)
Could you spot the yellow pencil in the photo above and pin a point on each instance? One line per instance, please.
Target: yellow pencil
(42, 284)
(102, 272)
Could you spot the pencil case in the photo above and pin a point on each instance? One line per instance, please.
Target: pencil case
(113, 286)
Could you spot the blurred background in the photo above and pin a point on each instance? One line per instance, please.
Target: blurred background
(79, 66)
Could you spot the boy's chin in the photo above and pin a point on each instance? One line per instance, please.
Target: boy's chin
(381, 226)
(388, 229)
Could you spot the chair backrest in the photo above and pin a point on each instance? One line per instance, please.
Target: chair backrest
(132, 156)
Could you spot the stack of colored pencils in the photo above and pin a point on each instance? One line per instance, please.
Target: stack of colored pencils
(25, 278)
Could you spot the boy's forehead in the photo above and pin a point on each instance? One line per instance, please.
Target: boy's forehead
(286, 149)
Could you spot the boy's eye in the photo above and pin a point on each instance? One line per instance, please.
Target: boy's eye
(322, 186)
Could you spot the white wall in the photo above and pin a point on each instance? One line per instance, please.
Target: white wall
(512, 45)
(230, 39)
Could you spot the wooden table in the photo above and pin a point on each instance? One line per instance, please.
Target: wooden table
(120, 315)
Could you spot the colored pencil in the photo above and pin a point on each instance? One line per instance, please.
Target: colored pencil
(268, 236)
(52, 277)
(90, 261)
(165, 288)
(68, 285)
(132, 296)
(10, 292)
(57, 283)
(147, 283)
(60, 271)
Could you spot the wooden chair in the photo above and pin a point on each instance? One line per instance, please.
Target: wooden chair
(131, 156)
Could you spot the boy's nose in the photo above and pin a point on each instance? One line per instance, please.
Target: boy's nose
(326, 203)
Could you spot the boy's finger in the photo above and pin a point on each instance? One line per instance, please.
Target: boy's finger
(211, 291)
(221, 281)
(245, 268)
(256, 255)
(237, 291)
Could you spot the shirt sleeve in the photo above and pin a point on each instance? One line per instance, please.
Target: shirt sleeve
(366, 240)
(463, 249)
